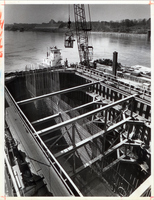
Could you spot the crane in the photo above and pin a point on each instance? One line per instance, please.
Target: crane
(82, 29)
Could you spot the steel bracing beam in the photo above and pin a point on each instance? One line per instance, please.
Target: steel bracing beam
(136, 122)
(89, 139)
(45, 119)
(113, 163)
(85, 115)
(56, 93)
(132, 161)
(58, 114)
(106, 153)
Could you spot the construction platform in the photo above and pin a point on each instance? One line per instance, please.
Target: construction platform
(82, 131)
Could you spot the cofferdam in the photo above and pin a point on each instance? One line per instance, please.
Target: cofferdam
(77, 133)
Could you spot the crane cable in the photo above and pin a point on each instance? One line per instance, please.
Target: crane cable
(69, 21)
(90, 27)
(89, 16)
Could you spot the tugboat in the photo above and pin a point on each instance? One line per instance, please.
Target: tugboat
(53, 57)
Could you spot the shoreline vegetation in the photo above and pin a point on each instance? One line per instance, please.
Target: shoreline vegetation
(141, 26)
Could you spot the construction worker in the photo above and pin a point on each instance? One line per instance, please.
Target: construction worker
(66, 63)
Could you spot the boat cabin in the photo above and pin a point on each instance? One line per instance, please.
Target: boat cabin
(53, 57)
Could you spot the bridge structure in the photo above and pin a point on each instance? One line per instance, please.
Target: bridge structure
(94, 132)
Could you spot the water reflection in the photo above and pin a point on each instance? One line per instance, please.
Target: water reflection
(132, 49)
(22, 48)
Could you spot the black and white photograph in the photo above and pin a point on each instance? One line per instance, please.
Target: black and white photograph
(77, 99)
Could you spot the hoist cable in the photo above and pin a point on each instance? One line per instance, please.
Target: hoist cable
(69, 21)
(89, 16)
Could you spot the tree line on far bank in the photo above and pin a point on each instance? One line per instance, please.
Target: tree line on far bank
(140, 26)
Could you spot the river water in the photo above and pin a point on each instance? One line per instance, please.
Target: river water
(23, 48)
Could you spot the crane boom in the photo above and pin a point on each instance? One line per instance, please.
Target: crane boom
(85, 51)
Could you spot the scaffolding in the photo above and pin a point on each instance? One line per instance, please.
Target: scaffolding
(104, 138)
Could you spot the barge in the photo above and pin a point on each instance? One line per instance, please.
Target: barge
(76, 131)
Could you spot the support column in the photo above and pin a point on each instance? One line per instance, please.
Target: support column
(73, 141)
(115, 55)
(132, 106)
(104, 140)
(106, 120)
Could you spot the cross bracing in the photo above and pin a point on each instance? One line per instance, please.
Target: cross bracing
(101, 134)
(83, 142)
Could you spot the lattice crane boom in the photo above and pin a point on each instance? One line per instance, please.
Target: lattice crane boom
(82, 29)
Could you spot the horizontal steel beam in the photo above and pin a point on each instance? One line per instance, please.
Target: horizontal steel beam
(72, 148)
(58, 114)
(136, 122)
(112, 149)
(133, 144)
(56, 93)
(133, 161)
(88, 164)
(143, 123)
(75, 119)
(113, 163)
(45, 119)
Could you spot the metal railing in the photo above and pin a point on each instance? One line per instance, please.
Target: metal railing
(109, 78)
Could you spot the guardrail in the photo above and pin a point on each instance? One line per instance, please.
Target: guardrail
(112, 80)
(14, 182)
(66, 180)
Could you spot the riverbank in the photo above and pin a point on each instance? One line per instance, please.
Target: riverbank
(63, 30)
(120, 34)
(125, 26)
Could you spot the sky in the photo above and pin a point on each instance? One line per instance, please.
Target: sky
(36, 13)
